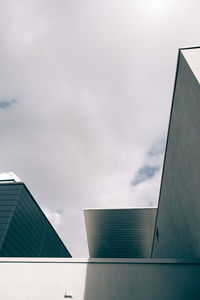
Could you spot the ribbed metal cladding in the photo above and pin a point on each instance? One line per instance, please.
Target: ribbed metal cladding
(24, 229)
(120, 233)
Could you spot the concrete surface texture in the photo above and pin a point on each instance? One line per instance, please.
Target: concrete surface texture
(177, 233)
(100, 279)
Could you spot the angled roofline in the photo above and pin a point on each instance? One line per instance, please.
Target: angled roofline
(169, 126)
(167, 140)
(189, 48)
(35, 202)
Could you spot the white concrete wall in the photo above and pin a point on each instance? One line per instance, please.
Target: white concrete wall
(178, 216)
(100, 279)
(46, 280)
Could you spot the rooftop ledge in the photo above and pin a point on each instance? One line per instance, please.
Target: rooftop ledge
(99, 260)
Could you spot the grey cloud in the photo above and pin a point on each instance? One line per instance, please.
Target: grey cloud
(158, 148)
(145, 173)
(5, 103)
(95, 80)
(153, 163)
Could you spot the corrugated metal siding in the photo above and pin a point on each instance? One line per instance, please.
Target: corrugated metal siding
(8, 202)
(51, 244)
(119, 233)
(29, 233)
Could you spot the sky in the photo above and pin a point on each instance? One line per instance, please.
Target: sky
(85, 95)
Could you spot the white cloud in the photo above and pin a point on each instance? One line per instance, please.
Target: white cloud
(53, 216)
(8, 176)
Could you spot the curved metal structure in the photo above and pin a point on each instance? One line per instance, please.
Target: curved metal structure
(117, 233)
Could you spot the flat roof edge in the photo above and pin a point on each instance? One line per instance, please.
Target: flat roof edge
(122, 208)
(99, 260)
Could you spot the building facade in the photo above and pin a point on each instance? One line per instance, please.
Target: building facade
(120, 233)
(24, 229)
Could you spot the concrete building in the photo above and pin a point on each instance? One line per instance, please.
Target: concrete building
(99, 279)
(178, 219)
(173, 270)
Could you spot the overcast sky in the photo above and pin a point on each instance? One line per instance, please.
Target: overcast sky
(85, 95)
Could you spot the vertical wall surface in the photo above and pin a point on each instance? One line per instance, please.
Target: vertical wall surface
(48, 279)
(26, 230)
(177, 233)
(119, 233)
(8, 202)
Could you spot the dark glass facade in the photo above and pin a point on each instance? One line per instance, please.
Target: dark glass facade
(24, 229)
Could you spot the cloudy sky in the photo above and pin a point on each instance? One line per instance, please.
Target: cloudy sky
(85, 95)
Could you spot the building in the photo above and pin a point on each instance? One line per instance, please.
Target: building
(178, 220)
(120, 233)
(173, 270)
(24, 229)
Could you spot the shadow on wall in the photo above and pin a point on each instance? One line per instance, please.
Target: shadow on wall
(125, 280)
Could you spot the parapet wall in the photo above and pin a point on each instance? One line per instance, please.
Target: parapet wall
(99, 279)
